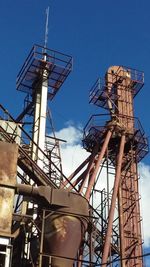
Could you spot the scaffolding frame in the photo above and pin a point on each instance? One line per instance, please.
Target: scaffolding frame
(117, 144)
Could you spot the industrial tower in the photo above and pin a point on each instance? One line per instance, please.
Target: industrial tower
(48, 219)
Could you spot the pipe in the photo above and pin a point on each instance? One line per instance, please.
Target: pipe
(101, 155)
(113, 203)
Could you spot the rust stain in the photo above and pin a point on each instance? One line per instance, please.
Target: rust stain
(8, 172)
(64, 232)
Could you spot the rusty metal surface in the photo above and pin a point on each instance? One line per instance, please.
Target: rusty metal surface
(8, 170)
(64, 233)
(120, 87)
(120, 78)
(128, 197)
(63, 228)
(113, 202)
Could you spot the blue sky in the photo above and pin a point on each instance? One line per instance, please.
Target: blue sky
(96, 33)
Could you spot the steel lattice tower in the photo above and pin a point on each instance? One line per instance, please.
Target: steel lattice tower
(120, 143)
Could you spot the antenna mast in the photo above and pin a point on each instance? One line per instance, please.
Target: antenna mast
(46, 27)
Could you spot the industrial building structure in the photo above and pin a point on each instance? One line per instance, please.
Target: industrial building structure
(48, 219)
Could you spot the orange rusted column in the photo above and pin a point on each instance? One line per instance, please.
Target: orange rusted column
(87, 171)
(113, 202)
(121, 227)
(80, 167)
(101, 155)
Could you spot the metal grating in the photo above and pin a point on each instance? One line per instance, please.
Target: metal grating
(136, 77)
(95, 131)
(99, 94)
(58, 66)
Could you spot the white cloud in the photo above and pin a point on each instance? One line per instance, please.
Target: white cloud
(72, 152)
(71, 134)
(145, 200)
(73, 155)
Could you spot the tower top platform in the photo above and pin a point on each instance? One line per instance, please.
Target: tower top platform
(128, 78)
(57, 65)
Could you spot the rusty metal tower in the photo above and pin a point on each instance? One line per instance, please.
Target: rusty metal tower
(30, 185)
(114, 238)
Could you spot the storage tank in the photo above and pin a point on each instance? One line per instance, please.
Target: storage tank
(64, 230)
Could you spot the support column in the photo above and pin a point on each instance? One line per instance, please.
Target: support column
(101, 155)
(40, 121)
(113, 202)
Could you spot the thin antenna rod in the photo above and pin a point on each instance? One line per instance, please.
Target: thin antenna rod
(46, 27)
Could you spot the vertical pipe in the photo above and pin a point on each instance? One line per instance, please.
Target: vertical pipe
(36, 124)
(91, 248)
(113, 202)
(101, 155)
(40, 120)
(107, 206)
(42, 239)
(102, 213)
(121, 227)
(138, 251)
(39, 132)
(79, 264)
